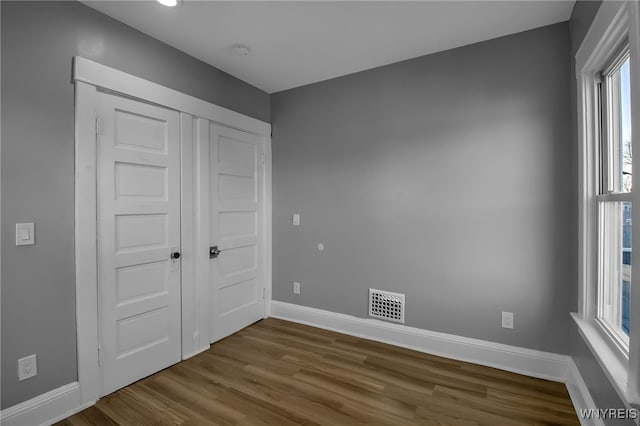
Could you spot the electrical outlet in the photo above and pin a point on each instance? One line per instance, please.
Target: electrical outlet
(507, 320)
(296, 288)
(27, 367)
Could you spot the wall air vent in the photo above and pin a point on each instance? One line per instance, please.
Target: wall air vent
(386, 305)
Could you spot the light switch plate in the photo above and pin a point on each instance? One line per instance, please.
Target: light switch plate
(296, 219)
(25, 235)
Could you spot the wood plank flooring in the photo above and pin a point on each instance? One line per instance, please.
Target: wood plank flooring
(276, 372)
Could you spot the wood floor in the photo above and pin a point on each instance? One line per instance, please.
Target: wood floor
(280, 373)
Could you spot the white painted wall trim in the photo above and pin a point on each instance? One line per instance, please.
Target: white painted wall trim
(118, 81)
(47, 408)
(613, 366)
(544, 365)
(85, 243)
(634, 343)
(201, 224)
(65, 401)
(615, 22)
(580, 395)
(188, 294)
(268, 211)
(193, 224)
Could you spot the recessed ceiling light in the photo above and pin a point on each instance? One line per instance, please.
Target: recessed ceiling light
(170, 3)
(240, 50)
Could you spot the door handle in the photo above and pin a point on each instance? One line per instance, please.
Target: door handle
(214, 252)
(175, 258)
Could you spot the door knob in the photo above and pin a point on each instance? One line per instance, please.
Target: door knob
(214, 252)
(175, 255)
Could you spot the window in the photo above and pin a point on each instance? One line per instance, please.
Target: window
(608, 76)
(614, 198)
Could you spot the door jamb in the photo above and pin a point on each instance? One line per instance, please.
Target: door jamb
(88, 77)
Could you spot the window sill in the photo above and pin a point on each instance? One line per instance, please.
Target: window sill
(611, 363)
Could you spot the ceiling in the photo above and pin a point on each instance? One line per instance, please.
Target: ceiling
(293, 43)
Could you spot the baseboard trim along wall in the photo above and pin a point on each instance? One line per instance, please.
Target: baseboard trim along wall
(544, 365)
(66, 400)
(47, 408)
(580, 395)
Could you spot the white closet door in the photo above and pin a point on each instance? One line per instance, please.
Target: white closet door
(138, 238)
(236, 198)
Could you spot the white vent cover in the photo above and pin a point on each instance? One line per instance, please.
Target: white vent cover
(386, 305)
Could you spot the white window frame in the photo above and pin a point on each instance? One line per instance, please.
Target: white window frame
(610, 243)
(614, 23)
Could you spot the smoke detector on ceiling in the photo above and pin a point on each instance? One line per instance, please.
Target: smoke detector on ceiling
(239, 50)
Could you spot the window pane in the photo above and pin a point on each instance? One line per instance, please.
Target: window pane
(618, 128)
(615, 267)
(625, 123)
(626, 265)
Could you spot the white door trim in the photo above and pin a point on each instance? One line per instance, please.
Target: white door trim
(100, 75)
(86, 244)
(88, 77)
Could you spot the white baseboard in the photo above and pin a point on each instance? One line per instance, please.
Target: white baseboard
(544, 365)
(580, 395)
(47, 408)
(66, 400)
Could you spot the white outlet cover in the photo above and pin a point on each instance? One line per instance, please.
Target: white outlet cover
(507, 320)
(27, 367)
(296, 287)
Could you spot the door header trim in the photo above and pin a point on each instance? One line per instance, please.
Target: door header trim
(99, 75)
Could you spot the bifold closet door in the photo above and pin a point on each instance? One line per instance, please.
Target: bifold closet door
(138, 239)
(236, 197)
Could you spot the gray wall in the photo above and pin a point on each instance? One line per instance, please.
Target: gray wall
(38, 43)
(603, 393)
(447, 178)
